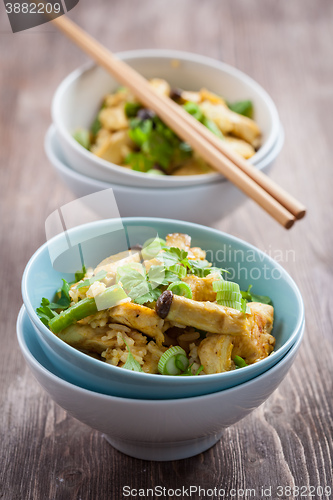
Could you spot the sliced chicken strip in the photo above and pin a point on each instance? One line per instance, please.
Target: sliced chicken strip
(85, 337)
(140, 318)
(215, 353)
(259, 342)
(230, 122)
(206, 316)
(202, 288)
(179, 240)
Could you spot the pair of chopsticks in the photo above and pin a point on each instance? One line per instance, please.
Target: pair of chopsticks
(275, 200)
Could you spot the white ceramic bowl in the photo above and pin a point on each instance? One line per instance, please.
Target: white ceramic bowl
(153, 430)
(205, 203)
(79, 96)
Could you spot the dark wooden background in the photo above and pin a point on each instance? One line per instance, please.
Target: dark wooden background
(287, 46)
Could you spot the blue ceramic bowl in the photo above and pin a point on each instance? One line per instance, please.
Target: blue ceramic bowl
(60, 257)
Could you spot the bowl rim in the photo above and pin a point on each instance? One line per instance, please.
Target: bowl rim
(23, 315)
(164, 379)
(162, 54)
(60, 165)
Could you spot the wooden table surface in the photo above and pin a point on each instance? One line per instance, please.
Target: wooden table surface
(287, 47)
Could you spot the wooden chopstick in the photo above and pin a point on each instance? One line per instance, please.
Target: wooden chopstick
(279, 204)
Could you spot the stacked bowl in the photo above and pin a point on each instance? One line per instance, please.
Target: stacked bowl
(198, 198)
(148, 416)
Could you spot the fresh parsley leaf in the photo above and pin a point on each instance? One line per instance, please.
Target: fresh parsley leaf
(151, 296)
(173, 255)
(244, 108)
(140, 130)
(64, 300)
(96, 126)
(252, 297)
(44, 312)
(79, 275)
(131, 109)
(131, 363)
(89, 281)
(139, 162)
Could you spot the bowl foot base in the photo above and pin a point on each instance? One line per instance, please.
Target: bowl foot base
(163, 452)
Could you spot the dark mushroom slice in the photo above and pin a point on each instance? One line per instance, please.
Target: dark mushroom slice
(163, 304)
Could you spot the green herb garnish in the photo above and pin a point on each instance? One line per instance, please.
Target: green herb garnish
(244, 108)
(132, 108)
(252, 297)
(131, 363)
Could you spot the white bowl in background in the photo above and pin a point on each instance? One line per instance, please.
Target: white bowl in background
(153, 430)
(79, 96)
(204, 204)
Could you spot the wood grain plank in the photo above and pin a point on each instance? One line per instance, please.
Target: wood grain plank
(286, 46)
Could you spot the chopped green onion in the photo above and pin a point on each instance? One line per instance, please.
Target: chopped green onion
(155, 171)
(82, 136)
(181, 288)
(179, 270)
(239, 362)
(152, 247)
(225, 286)
(131, 363)
(188, 371)
(231, 303)
(173, 361)
(193, 109)
(212, 127)
(236, 296)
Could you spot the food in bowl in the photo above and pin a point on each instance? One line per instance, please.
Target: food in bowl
(162, 308)
(129, 135)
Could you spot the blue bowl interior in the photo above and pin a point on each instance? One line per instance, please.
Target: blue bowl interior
(91, 243)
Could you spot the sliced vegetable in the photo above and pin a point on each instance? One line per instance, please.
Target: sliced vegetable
(225, 286)
(173, 361)
(179, 270)
(155, 171)
(181, 288)
(231, 303)
(188, 371)
(85, 307)
(152, 247)
(236, 296)
(193, 109)
(239, 362)
(212, 127)
(82, 136)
